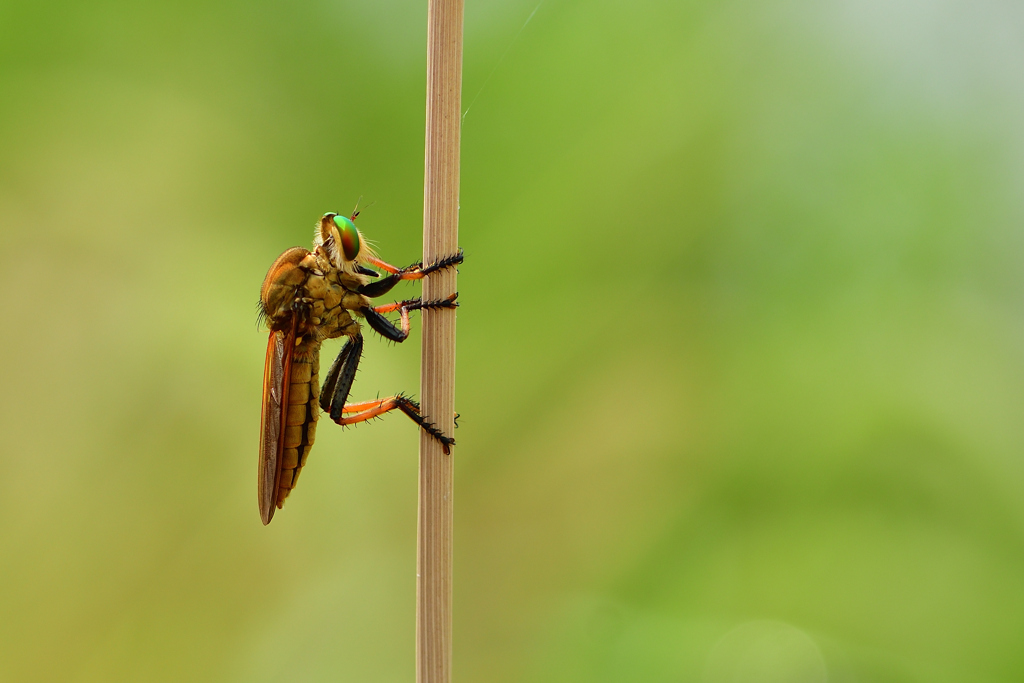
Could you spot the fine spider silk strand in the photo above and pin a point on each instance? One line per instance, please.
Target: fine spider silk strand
(500, 60)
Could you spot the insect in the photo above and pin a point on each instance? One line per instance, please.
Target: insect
(310, 296)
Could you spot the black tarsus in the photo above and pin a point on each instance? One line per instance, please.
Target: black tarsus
(412, 409)
(446, 262)
(447, 302)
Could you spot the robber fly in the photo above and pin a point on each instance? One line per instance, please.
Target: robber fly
(309, 296)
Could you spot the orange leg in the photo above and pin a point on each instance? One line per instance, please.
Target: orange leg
(383, 265)
(367, 410)
(358, 407)
(403, 308)
(334, 393)
(361, 412)
(386, 328)
(414, 272)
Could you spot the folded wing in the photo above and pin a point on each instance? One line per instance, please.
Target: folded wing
(276, 385)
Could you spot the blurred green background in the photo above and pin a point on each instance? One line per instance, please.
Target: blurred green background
(741, 351)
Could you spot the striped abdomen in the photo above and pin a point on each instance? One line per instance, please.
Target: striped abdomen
(301, 417)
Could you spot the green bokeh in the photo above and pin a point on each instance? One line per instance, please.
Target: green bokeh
(741, 351)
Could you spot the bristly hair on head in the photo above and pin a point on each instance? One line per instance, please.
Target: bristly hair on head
(367, 249)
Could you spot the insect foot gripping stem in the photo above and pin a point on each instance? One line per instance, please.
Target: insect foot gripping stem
(412, 409)
(447, 302)
(414, 272)
(446, 262)
(387, 329)
(354, 413)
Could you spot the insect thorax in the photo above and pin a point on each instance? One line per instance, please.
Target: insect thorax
(306, 284)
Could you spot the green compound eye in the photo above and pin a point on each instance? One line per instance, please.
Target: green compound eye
(349, 237)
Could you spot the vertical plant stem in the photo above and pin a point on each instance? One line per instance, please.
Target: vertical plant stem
(437, 378)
